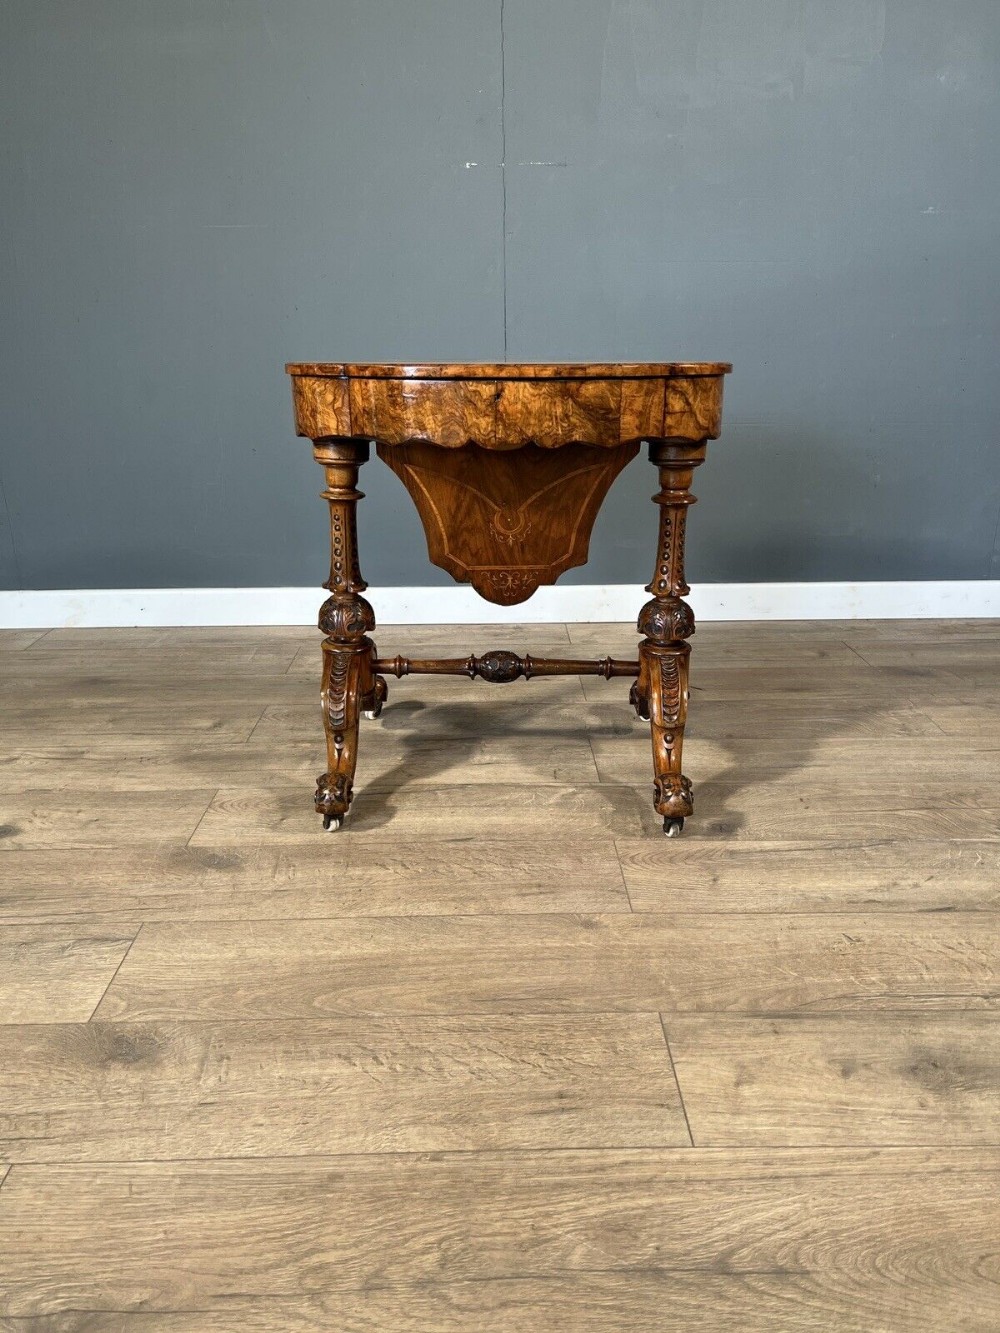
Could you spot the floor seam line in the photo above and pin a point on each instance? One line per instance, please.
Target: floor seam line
(116, 971)
(677, 1082)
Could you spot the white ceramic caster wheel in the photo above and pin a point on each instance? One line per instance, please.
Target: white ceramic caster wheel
(672, 828)
(332, 822)
(371, 714)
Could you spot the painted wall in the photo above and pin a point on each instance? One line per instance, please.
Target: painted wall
(196, 191)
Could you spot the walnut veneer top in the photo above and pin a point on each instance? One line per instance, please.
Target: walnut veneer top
(476, 370)
(501, 406)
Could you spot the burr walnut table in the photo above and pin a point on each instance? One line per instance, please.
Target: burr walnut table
(508, 466)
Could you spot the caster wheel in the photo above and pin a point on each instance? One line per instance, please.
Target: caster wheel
(372, 713)
(672, 828)
(332, 822)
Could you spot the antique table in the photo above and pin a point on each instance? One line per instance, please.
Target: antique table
(508, 466)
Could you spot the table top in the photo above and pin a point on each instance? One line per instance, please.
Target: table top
(475, 370)
(509, 406)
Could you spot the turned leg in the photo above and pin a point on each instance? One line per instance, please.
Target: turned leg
(660, 694)
(350, 684)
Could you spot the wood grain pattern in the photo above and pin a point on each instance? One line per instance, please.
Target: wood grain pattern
(99, 819)
(161, 882)
(915, 875)
(13, 640)
(519, 370)
(513, 525)
(126, 764)
(394, 411)
(322, 406)
(111, 1092)
(504, 407)
(58, 973)
(553, 413)
(693, 408)
(560, 964)
(831, 1239)
(854, 1079)
(641, 408)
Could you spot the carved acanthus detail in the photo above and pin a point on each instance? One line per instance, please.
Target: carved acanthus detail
(346, 617)
(671, 692)
(666, 619)
(335, 694)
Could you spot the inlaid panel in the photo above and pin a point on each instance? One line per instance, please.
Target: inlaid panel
(511, 526)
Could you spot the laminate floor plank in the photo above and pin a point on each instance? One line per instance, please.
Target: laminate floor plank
(853, 1079)
(135, 689)
(815, 1240)
(802, 719)
(974, 721)
(57, 973)
(125, 1091)
(518, 811)
(16, 640)
(141, 717)
(153, 882)
(820, 759)
(946, 655)
(651, 1301)
(100, 818)
(389, 758)
(211, 637)
(756, 964)
(165, 667)
(917, 633)
(910, 875)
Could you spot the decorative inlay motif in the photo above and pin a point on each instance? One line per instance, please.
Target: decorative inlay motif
(509, 525)
(505, 586)
(507, 521)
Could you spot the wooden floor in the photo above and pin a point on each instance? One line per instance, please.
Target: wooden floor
(498, 1056)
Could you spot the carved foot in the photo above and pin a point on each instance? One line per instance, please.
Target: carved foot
(673, 796)
(333, 798)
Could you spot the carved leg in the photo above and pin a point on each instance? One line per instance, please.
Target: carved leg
(345, 672)
(661, 692)
(349, 680)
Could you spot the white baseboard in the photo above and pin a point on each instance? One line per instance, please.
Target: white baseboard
(458, 604)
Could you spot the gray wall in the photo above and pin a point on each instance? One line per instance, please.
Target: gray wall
(197, 190)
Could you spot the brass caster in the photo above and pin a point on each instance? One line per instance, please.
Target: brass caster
(332, 822)
(672, 828)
